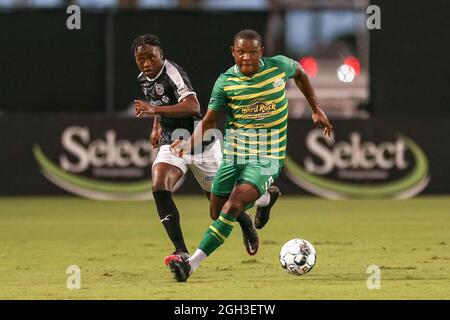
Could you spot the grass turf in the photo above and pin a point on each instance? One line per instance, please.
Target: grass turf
(120, 247)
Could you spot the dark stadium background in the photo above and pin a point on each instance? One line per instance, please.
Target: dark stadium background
(48, 71)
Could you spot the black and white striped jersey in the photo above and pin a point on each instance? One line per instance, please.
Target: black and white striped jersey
(169, 87)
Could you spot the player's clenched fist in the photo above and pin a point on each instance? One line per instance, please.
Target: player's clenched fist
(320, 119)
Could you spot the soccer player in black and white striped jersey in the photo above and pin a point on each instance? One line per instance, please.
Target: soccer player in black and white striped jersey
(174, 105)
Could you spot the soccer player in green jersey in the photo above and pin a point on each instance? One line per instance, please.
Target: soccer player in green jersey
(252, 92)
(173, 103)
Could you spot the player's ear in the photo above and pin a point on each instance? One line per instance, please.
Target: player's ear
(261, 51)
(232, 50)
(161, 53)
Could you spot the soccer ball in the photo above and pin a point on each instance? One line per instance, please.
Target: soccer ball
(297, 256)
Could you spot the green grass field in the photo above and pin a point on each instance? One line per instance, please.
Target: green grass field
(120, 247)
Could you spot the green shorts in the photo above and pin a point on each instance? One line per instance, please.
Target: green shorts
(259, 174)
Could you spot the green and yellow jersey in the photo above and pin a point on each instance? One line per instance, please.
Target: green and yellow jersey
(256, 107)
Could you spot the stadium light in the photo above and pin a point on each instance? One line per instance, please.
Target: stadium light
(309, 64)
(354, 63)
(346, 73)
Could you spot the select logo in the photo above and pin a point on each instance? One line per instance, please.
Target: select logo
(102, 168)
(357, 168)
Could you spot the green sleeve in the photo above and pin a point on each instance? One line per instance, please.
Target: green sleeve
(286, 64)
(218, 97)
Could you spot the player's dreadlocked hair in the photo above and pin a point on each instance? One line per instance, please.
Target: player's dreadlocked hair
(248, 34)
(145, 39)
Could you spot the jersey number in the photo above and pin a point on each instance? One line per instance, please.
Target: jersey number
(268, 183)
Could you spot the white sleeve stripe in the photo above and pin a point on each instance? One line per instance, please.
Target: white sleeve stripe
(174, 75)
(186, 94)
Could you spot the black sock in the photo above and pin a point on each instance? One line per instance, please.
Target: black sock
(170, 218)
(244, 220)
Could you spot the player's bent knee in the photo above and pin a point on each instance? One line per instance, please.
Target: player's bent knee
(162, 185)
(233, 208)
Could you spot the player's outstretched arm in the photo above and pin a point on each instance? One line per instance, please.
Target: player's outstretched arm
(180, 147)
(318, 116)
(187, 107)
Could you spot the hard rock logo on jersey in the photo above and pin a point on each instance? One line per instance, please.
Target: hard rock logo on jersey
(258, 110)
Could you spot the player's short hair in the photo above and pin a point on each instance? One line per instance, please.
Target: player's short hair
(144, 39)
(248, 34)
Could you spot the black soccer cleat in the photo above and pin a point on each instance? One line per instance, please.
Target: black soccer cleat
(183, 255)
(179, 267)
(263, 213)
(250, 237)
